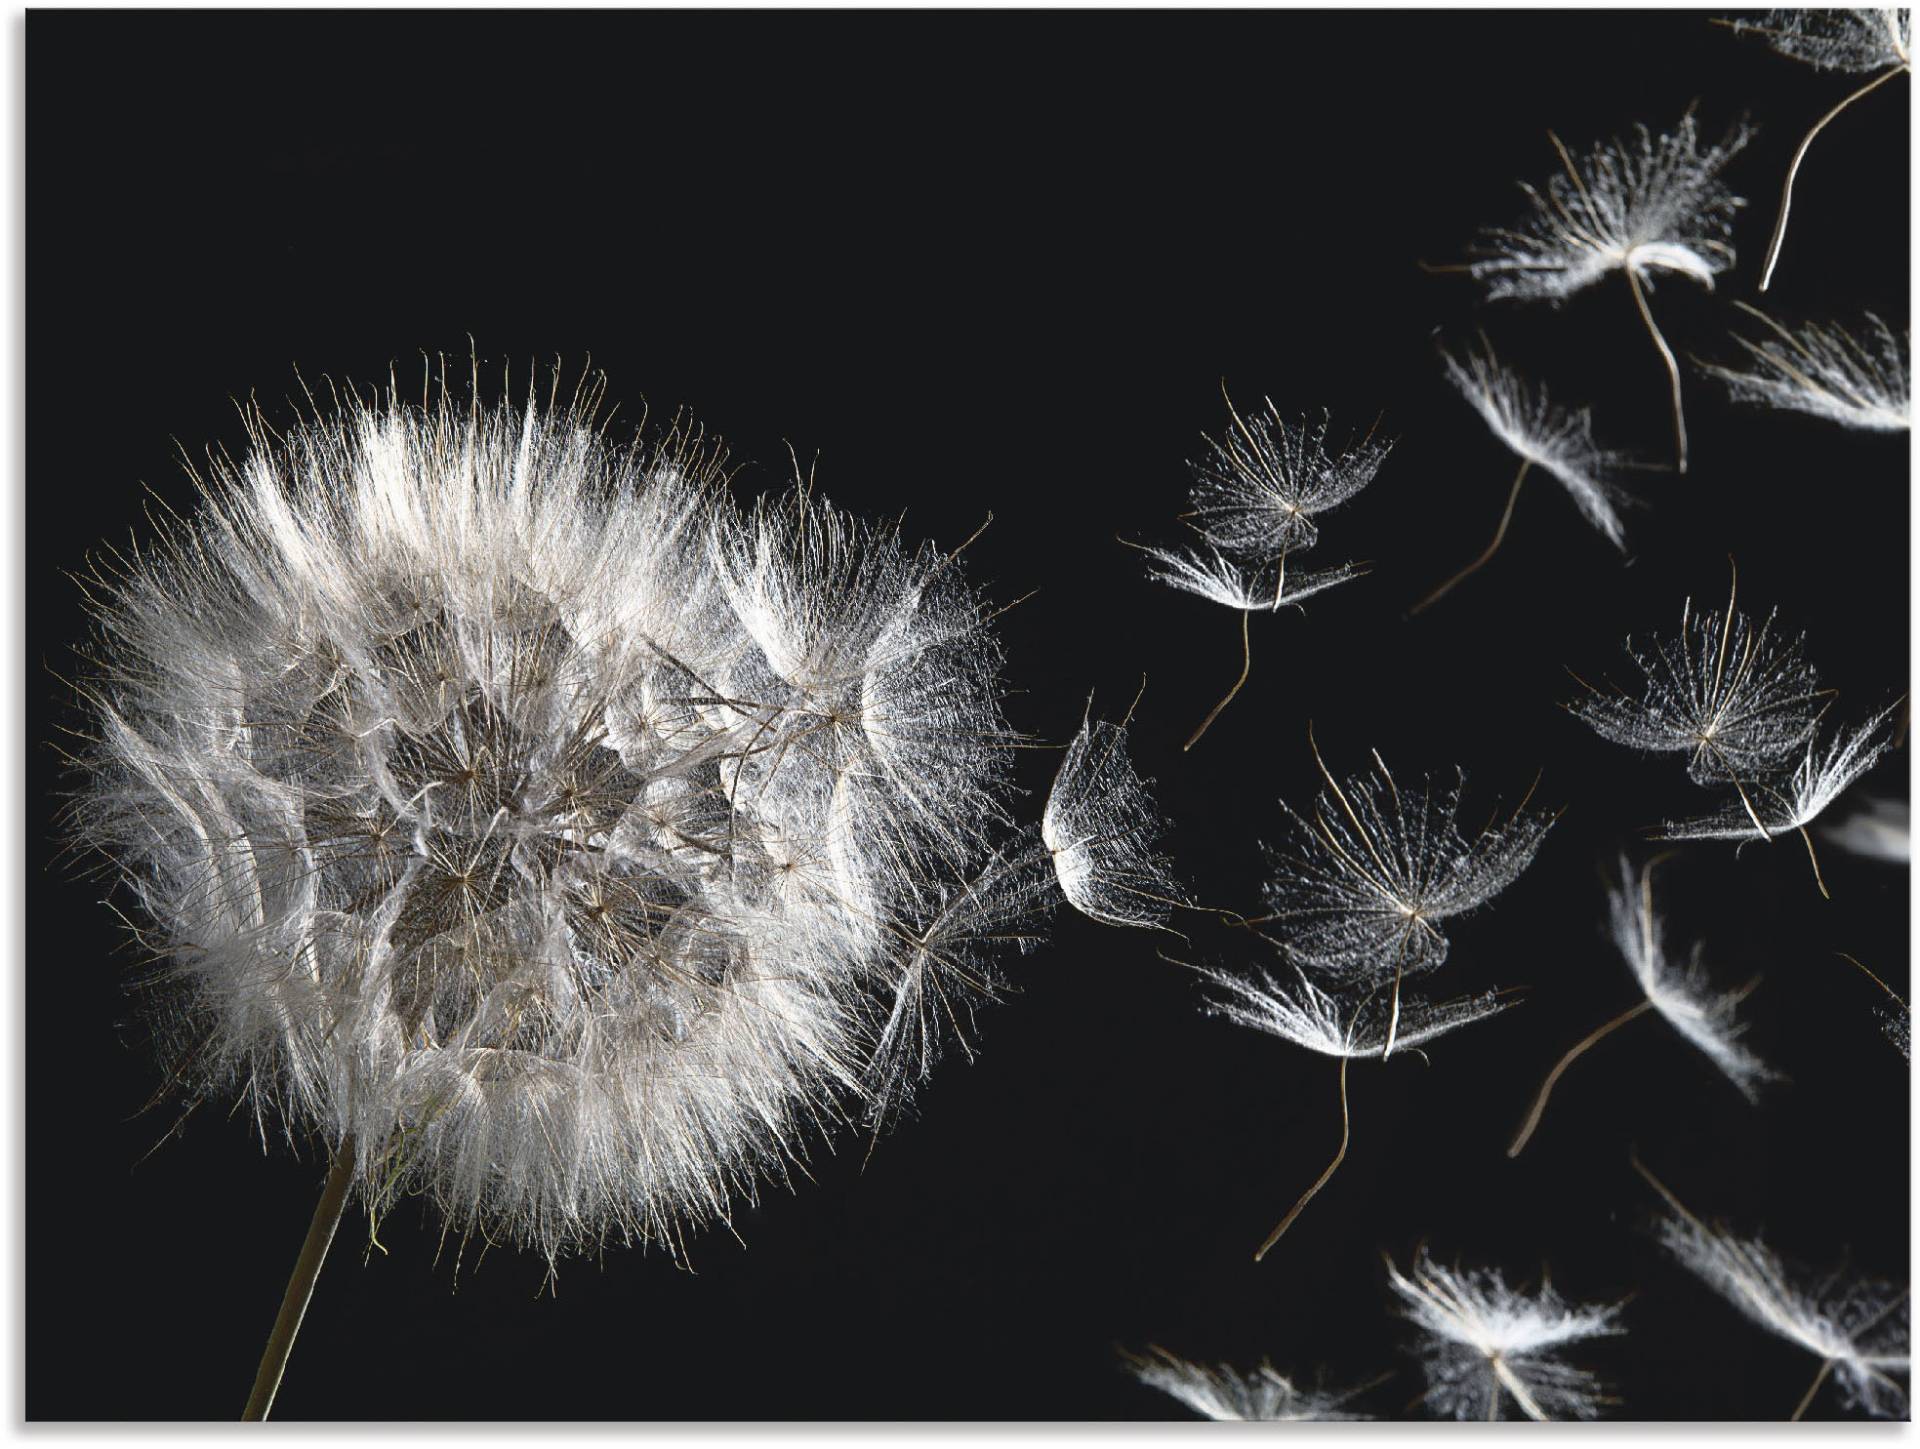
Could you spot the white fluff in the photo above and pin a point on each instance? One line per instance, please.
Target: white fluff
(1337, 1026)
(1098, 829)
(1484, 1343)
(1843, 40)
(518, 809)
(1856, 378)
(1221, 1392)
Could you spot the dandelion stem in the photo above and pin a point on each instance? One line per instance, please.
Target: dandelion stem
(1346, 1135)
(1818, 879)
(1673, 368)
(293, 1307)
(1546, 1087)
(1499, 537)
(1793, 170)
(1806, 1399)
(1246, 667)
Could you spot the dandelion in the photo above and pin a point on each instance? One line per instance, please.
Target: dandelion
(1255, 496)
(1732, 696)
(1363, 886)
(1311, 1018)
(1858, 380)
(1844, 40)
(1098, 830)
(1248, 588)
(1483, 1342)
(1679, 992)
(1557, 441)
(1218, 1391)
(1637, 207)
(538, 830)
(1856, 1327)
(1795, 803)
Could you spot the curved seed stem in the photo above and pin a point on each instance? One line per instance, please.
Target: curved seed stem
(1818, 879)
(1793, 170)
(1499, 536)
(1673, 369)
(1806, 1399)
(306, 1269)
(1546, 1087)
(1346, 1135)
(1246, 667)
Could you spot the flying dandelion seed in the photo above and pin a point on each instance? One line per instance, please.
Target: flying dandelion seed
(1218, 1391)
(1255, 496)
(1856, 41)
(1773, 808)
(1877, 830)
(1856, 379)
(1732, 696)
(1361, 888)
(1483, 1343)
(1098, 828)
(538, 830)
(1557, 441)
(1654, 203)
(1678, 991)
(1856, 1327)
(1311, 1018)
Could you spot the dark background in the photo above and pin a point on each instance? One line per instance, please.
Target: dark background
(999, 264)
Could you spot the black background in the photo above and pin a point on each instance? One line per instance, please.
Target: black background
(999, 264)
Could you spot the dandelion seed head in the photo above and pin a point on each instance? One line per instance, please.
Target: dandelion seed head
(1733, 695)
(1648, 203)
(1856, 378)
(1342, 1025)
(1857, 1324)
(1557, 440)
(1250, 588)
(1360, 889)
(1681, 991)
(1259, 486)
(1842, 40)
(1099, 827)
(1218, 1391)
(1484, 1344)
(516, 807)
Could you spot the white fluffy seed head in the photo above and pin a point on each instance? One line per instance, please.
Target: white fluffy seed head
(1486, 1346)
(1858, 1325)
(1251, 588)
(1647, 203)
(1843, 40)
(1350, 1024)
(1099, 829)
(1680, 991)
(515, 807)
(1261, 484)
(1221, 1392)
(1557, 440)
(1854, 377)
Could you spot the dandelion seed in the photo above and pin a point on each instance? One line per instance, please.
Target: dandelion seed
(1878, 830)
(1727, 693)
(1253, 502)
(1678, 991)
(1842, 40)
(1553, 439)
(538, 830)
(1483, 1342)
(1637, 207)
(1362, 888)
(1099, 827)
(1311, 1018)
(1248, 588)
(1218, 1391)
(1259, 488)
(1857, 1328)
(1774, 808)
(1858, 380)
